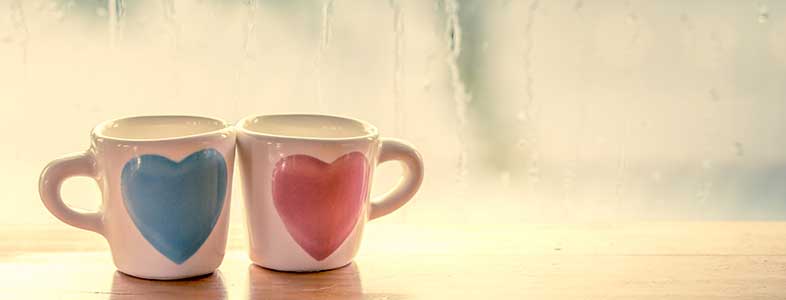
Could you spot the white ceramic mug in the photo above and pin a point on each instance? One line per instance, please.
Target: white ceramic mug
(165, 183)
(306, 183)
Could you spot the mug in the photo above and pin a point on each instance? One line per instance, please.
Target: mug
(306, 182)
(165, 183)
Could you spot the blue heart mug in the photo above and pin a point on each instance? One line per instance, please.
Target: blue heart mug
(165, 183)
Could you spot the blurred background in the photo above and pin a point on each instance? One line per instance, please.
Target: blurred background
(524, 111)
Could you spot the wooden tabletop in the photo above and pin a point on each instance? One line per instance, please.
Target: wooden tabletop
(735, 260)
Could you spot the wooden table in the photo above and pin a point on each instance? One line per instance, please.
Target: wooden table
(438, 261)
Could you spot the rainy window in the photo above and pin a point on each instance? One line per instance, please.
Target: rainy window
(539, 110)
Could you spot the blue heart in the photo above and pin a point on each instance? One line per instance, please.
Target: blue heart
(175, 205)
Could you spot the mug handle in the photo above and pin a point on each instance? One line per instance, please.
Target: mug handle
(393, 149)
(52, 177)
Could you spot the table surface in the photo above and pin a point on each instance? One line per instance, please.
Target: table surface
(664, 260)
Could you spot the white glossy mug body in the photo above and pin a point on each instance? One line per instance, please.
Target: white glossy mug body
(306, 184)
(165, 183)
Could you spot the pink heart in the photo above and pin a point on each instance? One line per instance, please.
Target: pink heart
(318, 202)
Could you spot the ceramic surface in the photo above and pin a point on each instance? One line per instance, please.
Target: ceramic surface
(165, 183)
(306, 183)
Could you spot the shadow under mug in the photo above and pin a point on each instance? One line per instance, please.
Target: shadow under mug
(343, 283)
(208, 287)
(306, 184)
(165, 183)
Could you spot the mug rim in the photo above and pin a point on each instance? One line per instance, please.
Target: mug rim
(372, 131)
(226, 128)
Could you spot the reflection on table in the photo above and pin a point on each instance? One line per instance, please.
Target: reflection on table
(341, 283)
(204, 287)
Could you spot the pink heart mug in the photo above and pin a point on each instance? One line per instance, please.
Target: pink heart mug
(306, 184)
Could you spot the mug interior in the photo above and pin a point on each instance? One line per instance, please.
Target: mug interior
(158, 127)
(306, 126)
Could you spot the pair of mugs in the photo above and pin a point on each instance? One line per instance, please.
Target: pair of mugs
(166, 182)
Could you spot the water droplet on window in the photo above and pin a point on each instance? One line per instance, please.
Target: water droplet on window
(522, 143)
(632, 19)
(714, 95)
(684, 18)
(504, 178)
(656, 176)
(427, 85)
(534, 174)
(763, 17)
(738, 149)
(522, 116)
(703, 194)
(764, 14)
(568, 179)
